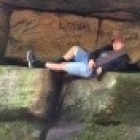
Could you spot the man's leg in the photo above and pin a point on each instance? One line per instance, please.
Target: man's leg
(32, 61)
(57, 65)
(69, 55)
(79, 67)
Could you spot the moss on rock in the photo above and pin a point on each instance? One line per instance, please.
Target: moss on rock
(112, 99)
(111, 107)
(26, 102)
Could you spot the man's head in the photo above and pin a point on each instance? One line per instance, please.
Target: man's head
(117, 44)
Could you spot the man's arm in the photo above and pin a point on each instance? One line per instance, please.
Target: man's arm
(120, 64)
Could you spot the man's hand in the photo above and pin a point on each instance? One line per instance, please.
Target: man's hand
(99, 71)
(91, 63)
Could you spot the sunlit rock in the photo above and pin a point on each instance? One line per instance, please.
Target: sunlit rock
(50, 35)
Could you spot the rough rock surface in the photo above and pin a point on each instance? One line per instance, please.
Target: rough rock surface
(101, 10)
(25, 91)
(87, 23)
(50, 35)
(113, 98)
(29, 99)
(36, 92)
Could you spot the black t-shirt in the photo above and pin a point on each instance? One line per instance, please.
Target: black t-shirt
(119, 63)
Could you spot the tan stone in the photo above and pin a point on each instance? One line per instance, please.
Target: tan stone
(50, 35)
(69, 28)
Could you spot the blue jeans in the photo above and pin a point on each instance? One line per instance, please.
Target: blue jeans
(80, 66)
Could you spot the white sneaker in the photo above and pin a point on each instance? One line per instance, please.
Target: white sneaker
(30, 58)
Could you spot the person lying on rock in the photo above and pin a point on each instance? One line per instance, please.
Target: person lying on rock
(87, 65)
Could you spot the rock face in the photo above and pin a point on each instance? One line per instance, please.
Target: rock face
(50, 35)
(50, 28)
(29, 99)
(112, 99)
(88, 24)
(25, 92)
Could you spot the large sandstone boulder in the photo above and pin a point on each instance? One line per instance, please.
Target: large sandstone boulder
(27, 102)
(26, 90)
(28, 95)
(50, 35)
(62, 27)
(50, 28)
(114, 99)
